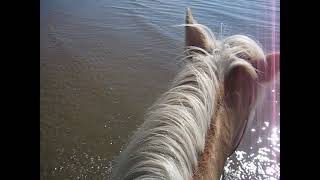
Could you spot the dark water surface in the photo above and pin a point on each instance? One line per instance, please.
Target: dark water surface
(103, 63)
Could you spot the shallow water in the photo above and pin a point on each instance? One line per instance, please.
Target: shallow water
(103, 63)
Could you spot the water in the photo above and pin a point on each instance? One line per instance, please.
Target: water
(103, 63)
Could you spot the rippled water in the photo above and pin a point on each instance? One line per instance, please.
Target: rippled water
(103, 63)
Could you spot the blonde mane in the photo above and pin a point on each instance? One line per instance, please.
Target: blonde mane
(170, 141)
(174, 140)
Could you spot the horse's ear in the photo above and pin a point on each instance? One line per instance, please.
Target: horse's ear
(240, 84)
(240, 95)
(195, 35)
(268, 71)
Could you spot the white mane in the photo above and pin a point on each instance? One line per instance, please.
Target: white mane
(173, 136)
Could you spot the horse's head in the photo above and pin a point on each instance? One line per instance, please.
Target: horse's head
(242, 70)
(192, 128)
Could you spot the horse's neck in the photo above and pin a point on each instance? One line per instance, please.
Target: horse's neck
(217, 149)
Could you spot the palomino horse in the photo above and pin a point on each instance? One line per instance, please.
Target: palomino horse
(193, 127)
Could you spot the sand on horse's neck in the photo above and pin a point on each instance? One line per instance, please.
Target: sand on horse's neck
(218, 145)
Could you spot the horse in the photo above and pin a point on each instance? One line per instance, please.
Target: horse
(191, 130)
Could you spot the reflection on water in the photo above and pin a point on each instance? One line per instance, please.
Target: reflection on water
(103, 63)
(262, 159)
(262, 163)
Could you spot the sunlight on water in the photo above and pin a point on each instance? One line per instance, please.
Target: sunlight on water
(92, 166)
(259, 164)
(261, 160)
